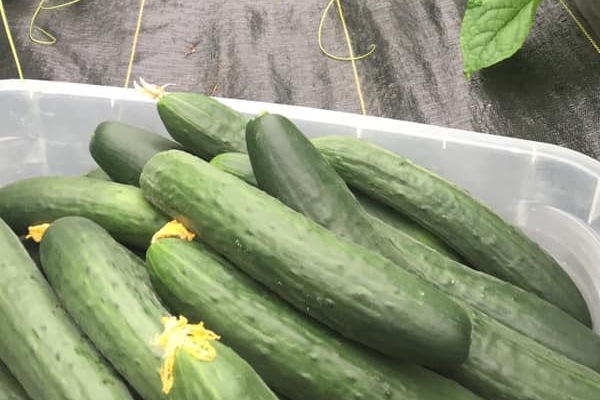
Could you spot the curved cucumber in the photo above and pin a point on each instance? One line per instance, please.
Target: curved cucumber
(108, 292)
(288, 167)
(203, 125)
(122, 150)
(482, 237)
(120, 209)
(298, 357)
(40, 344)
(308, 265)
(238, 164)
(10, 388)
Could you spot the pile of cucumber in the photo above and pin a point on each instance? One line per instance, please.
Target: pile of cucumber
(324, 269)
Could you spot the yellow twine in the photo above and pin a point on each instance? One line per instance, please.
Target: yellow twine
(584, 31)
(11, 43)
(135, 41)
(50, 39)
(352, 58)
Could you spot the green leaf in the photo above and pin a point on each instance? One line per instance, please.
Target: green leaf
(494, 30)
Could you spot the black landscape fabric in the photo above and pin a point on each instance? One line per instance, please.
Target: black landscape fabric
(267, 51)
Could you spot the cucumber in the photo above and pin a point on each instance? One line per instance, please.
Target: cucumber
(122, 149)
(120, 209)
(483, 238)
(40, 344)
(298, 357)
(108, 292)
(308, 265)
(238, 164)
(98, 173)
(204, 126)
(289, 167)
(10, 388)
(503, 364)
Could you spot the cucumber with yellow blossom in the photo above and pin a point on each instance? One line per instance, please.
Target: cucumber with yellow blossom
(107, 291)
(296, 356)
(391, 310)
(39, 342)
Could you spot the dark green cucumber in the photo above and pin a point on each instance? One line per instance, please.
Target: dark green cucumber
(297, 357)
(40, 344)
(483, 238)
(108, 292)
(98, 173)
(505, 365)
(204, 126)
(238, 164)
(288, 167)
(10, 388)
(122, 150)
(308, 265)
(120, 209)
(33, 249)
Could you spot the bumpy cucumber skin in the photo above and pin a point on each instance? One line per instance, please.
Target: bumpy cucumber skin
(120, 209)
(512, 306)
(216, 378)
(482, 237)
(40, 344)
(122, 149)
(308, 265)
(298, 357)
(108, 292)
(505, 365)
(203, 125)
(98, 173)
(238, 164)
(10, 388)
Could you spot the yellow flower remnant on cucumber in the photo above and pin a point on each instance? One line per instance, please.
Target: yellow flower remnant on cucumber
(151, 90)
(195, 339)
(36, 232)
(174, 229)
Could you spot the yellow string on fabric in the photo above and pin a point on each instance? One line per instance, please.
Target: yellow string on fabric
(580, 25)
(135, 41)
(50, 39)
(11, 42)
(352, 58)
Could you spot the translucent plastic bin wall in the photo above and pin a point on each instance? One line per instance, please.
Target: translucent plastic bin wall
(548, 191)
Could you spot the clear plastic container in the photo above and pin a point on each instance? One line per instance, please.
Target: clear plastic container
(552, 193)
